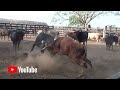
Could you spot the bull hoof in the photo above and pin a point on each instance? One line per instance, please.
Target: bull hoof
(25, 54)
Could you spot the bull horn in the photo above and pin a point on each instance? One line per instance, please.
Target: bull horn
(44, 48)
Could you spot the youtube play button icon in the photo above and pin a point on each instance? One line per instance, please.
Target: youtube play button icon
(12, 69)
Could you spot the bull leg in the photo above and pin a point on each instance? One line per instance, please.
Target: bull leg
(116, 43)
(81, 72)
(18, 45)
(82, 69)
(15, 47)
(97, 40)
(1, 37)
(84, 43)
(33, 47)
(112, 47)
(106, 46)
(83, 65)
(4, 37)
(8, 38)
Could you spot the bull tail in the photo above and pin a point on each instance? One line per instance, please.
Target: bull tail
(33, 47)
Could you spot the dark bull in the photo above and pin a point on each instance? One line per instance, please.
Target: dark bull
(43, 39)
(81, 36)
(16, 37)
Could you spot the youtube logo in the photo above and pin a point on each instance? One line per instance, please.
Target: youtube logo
(12, 69)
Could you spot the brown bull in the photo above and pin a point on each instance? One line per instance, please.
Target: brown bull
(72, 49)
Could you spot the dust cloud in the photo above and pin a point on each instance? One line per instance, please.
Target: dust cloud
(47, 63)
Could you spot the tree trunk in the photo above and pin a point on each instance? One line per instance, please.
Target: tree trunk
(85, 26)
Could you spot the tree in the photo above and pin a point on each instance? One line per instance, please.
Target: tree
(115, 13)
(77, 18)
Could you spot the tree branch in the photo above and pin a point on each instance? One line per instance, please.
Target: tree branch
(94, 16)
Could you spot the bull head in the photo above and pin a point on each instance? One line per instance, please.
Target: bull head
(42, 50)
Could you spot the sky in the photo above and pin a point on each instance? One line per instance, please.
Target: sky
(46, 16)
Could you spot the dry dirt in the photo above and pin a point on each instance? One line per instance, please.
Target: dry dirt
(105, 63)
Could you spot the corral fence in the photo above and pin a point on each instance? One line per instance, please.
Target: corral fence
(93, 32)
(62, 30)
(30, 30)
(111, 29)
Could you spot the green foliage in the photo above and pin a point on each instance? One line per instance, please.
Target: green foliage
(73, 20)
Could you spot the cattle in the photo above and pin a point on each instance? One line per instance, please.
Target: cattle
(41, 39)
(98, 37)
(115, 39)
(95, 36)
(9, 33)
(44, 39)
(80, 36)
(3, 33)
(119, 40)
(16, 37)
(71, 48)
(109, 41)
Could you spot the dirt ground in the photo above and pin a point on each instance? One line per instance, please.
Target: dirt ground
(105, 62)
